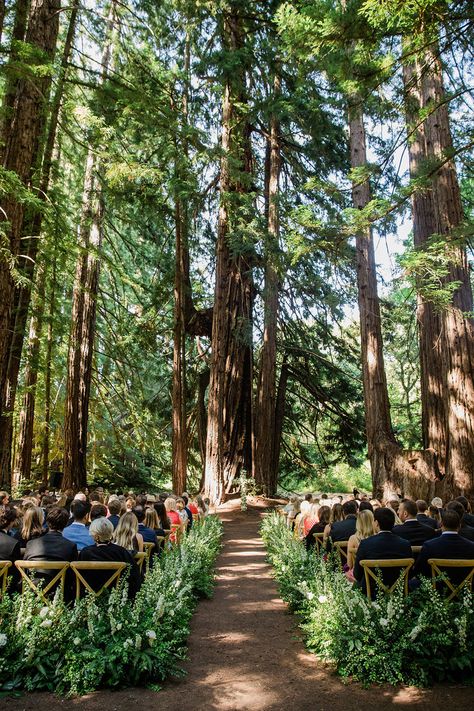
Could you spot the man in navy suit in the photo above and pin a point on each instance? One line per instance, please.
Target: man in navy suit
(465, 531)
(422, 517)
(343, 530)
(449, 546)
(411, 529)
(385, 545)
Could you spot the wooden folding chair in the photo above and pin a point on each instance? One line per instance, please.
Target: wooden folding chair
(369, 565)
(140, 559)
(178, 531)
(115, 570)
(5, 565)
(341, 550)
(318, 538)
(436, 570)
(26, 566)
(416, 549)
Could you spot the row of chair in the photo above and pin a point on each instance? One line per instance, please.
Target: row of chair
(439, 567)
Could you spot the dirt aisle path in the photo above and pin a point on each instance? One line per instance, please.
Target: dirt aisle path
(244, 653)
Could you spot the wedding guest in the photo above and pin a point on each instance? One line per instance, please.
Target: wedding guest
(365, 527)
(115, 509)
(468, 516)
(465, 531)
(411, 529)
(343, 530)
(97, 511)
(422, 517)
(165, 523)
(174, 517)
(77, 532)
(10, 548)
(448, 546)
(148, 534)
(126, 534)
(31, 526)
(323, 516)
(336, 515)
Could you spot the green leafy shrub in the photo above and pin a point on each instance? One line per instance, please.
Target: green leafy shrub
(420, 639)
(109, 642)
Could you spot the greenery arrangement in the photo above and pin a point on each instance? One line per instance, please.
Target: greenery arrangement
(419, 640)
(111, 641)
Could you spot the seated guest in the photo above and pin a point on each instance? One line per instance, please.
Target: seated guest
(434, 513)
(115, 509)
(311, 519)
(192, 506)
(343, 530)
(189, 513)
(422, 517)
(323, 516)
(10, 548)
(4, 498)
(126, 534)
(151, 521)
(336, 515)
(183, 514)
(163, 520)
(468, 516)
(77, 532)
(148, 534)
(448, 546)
(465, 531)
(174, 517)
(411, 529)
(384, 545)
(32, 525)
(98, 511)
(102, 551)
(366, 506)
(365, 527)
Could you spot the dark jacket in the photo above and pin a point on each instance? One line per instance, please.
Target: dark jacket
(343, 530)
(109, 552)
(468, 519)
(414, 532)
(10, 549)
(51, 546)
(114, 520)
(309, 539)
(448, 546)
(383, 546)
(466, 531)
(427, 520)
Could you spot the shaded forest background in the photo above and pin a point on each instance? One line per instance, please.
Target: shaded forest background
(190, 195)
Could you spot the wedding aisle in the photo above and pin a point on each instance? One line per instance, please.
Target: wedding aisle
(245, 652)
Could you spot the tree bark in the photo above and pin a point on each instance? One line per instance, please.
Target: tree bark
(47, 377)
(265, 474)
(22, 155)
(229, 401)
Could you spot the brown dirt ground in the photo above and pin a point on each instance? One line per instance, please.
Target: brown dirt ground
(245, 652)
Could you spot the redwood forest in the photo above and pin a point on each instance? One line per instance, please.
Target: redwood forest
(235, 244)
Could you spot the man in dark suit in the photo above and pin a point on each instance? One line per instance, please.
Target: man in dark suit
(411, 529)
(465, 531)
(343, 530)
(9, 547)
(115, 509)
(422, 517)
(385, 545)
(468, 516)
(448, 546)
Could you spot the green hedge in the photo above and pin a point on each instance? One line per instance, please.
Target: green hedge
(419, 640)
(110, 642)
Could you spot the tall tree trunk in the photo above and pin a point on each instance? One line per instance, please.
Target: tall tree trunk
(48, 365)
(230, 385)
(457, 323)
(86, 283)
(432, 366)
(11, 79)
(22, 155)
(265, 473)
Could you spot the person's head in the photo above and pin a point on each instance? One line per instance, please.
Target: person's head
(4, 498)
(139, 512)
(456, 506)
(394, 504)
(179, 503)
(464, 502)
(365, 524)
(140, 500)
(355, 493)
(115, 507)
(32, 524)
(62, 501)
(163, 496)
(129, 503)
(384, 519)
(450, 521)
(324, 514)
(8, 517)
(101, 530)
(98, 511)
(150, 500)
(151, 518)
(170, 503)
(349, 508)
(313, 512)
(421, 506)
(305, 506)
(200, 503)
(162, 514)
(434, 513)
(185, 499)
(80, 496)
(336, 513)
(407, 510)
(308, 497)
(43, 491)
(375, 504)
(126, 530)
(80, 510)
(95, 497)
(365, 506)
(57, 518)
(437, 502)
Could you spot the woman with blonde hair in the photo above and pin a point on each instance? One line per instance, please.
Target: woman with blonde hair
(126, 534)
(152, 521)
(174, 517)
(364, 529)
(31, 525)
(310, 519)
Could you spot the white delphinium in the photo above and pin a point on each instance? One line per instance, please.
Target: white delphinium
(3, 640)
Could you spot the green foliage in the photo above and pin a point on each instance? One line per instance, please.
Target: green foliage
(335, 478)
(110, 642)
(418, 640)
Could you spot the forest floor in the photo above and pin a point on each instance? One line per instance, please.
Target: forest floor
(245, 651)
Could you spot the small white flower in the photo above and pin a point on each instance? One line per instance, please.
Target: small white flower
(309, 595)
(44, 612)
(3, 640)
(46, 623)
(322, 599)
(383, 621)
(77, 641)
(151, 634)
(118, 626)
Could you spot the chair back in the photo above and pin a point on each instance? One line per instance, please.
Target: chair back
(140, 559)
(176, 533)
(5, 566)
(114, 569)
(416, 549)
(39, 566)
(148, 548)
(453, 587)
(318, 541)
(341, 550)
(404, 564)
